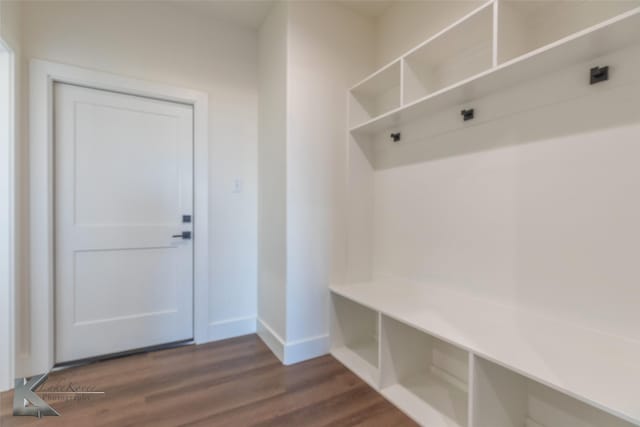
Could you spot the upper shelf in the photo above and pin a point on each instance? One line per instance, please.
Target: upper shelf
(590, 43)
(599, 369)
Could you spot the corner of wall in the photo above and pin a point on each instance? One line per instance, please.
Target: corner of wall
(309, 348)
(293, 352)
(271, 339)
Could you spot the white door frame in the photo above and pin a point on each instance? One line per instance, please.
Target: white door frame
(7, 219)
(42, 76)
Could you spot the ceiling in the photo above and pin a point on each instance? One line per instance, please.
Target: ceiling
(248, 13)
(370, 8)
(251, 13)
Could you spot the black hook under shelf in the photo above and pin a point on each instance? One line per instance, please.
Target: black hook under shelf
(599, 74)
(467, 114)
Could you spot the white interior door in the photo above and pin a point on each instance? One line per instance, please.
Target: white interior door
(123, 182)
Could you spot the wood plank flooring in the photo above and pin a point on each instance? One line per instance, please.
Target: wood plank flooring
(237, 382)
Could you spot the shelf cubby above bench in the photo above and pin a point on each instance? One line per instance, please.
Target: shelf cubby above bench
(376, 95)
(456, 53)
(527, 25)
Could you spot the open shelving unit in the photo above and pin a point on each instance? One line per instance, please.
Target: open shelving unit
(450, 358)
(490, 50)
(427, 331)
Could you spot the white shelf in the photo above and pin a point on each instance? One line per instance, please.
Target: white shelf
(598, 369)
(593, 42)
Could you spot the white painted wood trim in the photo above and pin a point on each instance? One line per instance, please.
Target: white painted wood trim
(42, 76)
(231, 328)
(292, 352)
(472, 391)
(271, 338)
(7, 238)
(305, 349)
(496, 34)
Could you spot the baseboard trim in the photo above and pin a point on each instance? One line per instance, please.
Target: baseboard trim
(271, 339)
(231, 328)
(292, 352)
(305, 349)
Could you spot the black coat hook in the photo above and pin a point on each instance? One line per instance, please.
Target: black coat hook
(599, 74)
(395, 137)
(467, 114)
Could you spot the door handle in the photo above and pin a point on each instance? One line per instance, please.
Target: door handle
(184, 235)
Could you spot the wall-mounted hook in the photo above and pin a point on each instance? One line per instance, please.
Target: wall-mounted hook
(467, 114)
(599, 74)
(395, 137)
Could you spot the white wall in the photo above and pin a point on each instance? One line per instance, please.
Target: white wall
(161, 42)
(10, 51)
(322, 65)
(272, 172)
(319, 66)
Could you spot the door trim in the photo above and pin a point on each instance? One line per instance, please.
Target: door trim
(42, 76)
(7, 217)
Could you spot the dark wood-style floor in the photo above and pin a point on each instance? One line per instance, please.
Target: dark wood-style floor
(236, 382)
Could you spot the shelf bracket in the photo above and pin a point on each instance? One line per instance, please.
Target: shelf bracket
(599, 74)
(467, 114)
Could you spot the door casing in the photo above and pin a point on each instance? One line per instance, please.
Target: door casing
(42, 76)
(7, 217)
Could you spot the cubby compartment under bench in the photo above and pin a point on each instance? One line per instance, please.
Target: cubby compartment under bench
(453, 360)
